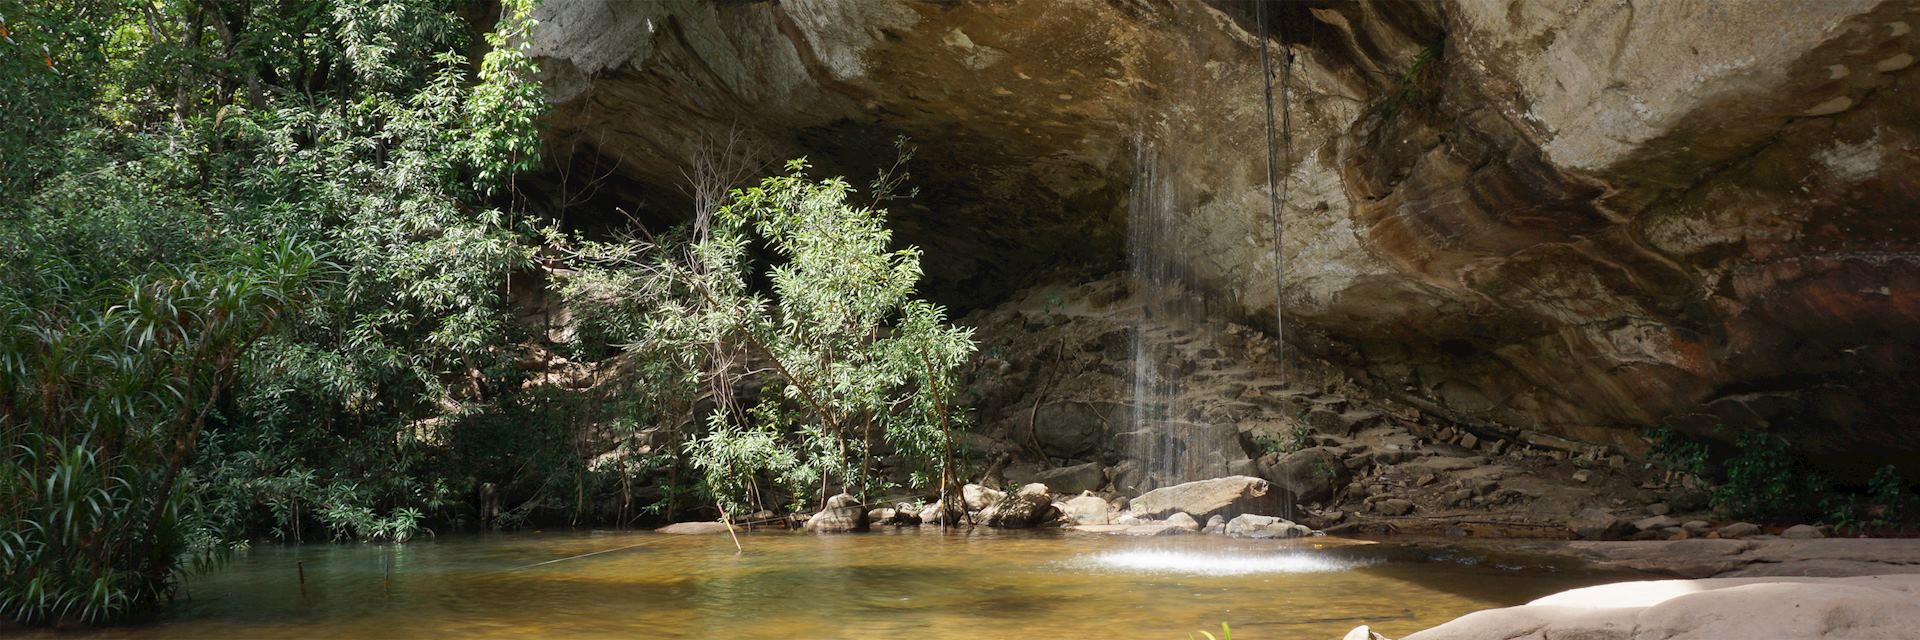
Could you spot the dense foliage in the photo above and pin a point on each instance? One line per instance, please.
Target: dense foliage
(1760, 477)
(258, 259)
(248, 248)
(853, 364)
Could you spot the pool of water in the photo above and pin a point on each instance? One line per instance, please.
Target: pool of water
(919, 584)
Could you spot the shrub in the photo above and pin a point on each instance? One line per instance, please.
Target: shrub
(853, 359)
(103, 408)
(1764, 480)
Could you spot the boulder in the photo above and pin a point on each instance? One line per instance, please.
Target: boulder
(1258, 526)
(1087, 509)
(1598, 524)
(1313, 475)
(1696, 528)
(1127, 478)
(1074, 479)
(1183, 521)
(1029, 507)
(899, 515)
(978, 498)
(1802, 532)
(843, 513)
(932, 514)
(1226, 497)
(1394, 507)
(1739, 530)
(904, 514)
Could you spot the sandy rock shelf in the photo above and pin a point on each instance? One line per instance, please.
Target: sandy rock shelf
(1778, 608)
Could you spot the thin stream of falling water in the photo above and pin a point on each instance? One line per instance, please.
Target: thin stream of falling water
(1170, 440)
(1155, 254)
(1147, 227)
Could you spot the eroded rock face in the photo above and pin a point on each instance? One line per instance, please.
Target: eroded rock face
(1572, 219)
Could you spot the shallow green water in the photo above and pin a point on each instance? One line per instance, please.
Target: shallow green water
(884, 584)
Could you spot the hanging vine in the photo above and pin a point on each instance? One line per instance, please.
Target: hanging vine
(1277, 182)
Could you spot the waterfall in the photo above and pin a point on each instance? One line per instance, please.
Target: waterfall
(1170, 441)
(1169, 447)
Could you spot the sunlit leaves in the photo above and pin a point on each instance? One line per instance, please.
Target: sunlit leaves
(173, 187)
(853, 360)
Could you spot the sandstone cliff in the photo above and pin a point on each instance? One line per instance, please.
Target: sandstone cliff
(1570, 216)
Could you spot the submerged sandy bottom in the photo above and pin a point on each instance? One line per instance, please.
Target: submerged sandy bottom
(884, 584)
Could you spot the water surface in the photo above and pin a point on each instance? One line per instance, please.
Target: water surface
(918, 584)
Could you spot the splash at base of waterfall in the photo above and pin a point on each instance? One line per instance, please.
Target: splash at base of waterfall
(1217, 563)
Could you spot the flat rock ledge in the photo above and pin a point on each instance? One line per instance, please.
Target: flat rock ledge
(1777, 608)
(1828, 557)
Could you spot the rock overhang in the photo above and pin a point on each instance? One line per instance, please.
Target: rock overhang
(1470, 228)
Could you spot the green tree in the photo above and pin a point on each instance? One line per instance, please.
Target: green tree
(854, 360)
(167, 163)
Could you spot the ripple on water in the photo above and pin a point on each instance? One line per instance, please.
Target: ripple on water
(1217, 563)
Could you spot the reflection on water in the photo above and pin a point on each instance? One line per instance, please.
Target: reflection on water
(1216, 563)
(906, 584)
